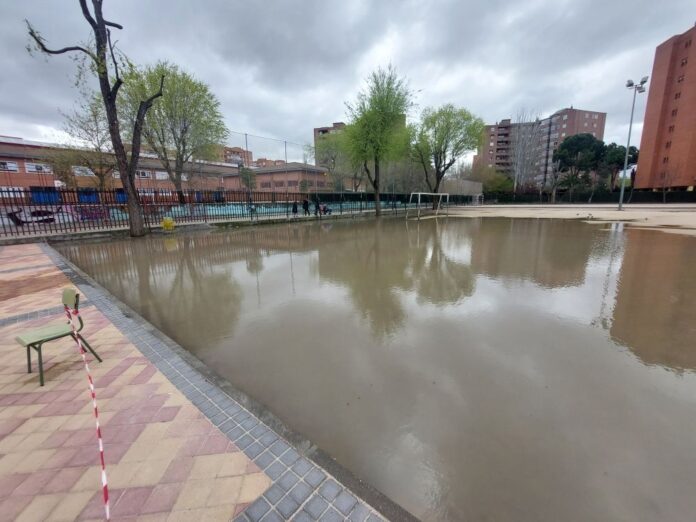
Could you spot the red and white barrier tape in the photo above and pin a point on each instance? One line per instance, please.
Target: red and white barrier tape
(71, 314)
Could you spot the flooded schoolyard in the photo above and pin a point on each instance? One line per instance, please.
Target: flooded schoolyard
(469, 369)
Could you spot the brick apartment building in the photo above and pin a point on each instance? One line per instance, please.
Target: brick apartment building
(337, 126)
(668, 144)
(497, 146)
(237, 156)
(28, 165)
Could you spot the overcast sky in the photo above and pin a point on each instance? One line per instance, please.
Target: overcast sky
(281, 68)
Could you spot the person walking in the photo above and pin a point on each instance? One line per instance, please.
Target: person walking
(294, 210)
(305, 207)
(317, 208)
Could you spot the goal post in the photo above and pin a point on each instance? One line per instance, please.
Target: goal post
(436, 196)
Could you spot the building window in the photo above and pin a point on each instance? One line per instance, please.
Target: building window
(265, 184)
(161, 175)
(143, 174)
(668, 145)
(11, 192)
(564, 125)
(671, 128)
(674, 112)
(585, 124)
(490, 144)
(321, 184)
(594, 134)
(279, 183)
(684, 61)
(292, 183)
(83, 172)
(677, 96)
(680, 79)
(9, 166)
(687, 44)
(565, 116)
(665, 160)
(595, 116)
(587, 115)
(39, 168)
(562, 134)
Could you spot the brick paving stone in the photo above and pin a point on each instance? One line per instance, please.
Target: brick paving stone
(166, 457)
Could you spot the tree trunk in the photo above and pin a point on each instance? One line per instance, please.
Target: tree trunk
(553, 195)
(179, 190)
(375, 185)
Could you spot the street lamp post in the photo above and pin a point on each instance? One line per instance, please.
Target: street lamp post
(636, 87)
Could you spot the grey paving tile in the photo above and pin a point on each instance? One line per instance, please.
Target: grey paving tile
(258, 509)
(244, 441)
(272, 516)
(275, 470)
(373, 518)
(359, 513)
(345, 502)
(315, 477)
(288, 480)
(253, 450)
(331, 515)
(330, 490)
(300, 492)
(265, 459)
(302, 516)
(268, 439)
(301, 467)
(279, 447)
(316, 506)
(259, 431)
(287, 506)
(274, 494)
(234, 432)
(289, 457)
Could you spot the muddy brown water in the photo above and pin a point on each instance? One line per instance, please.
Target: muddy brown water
(470, 369)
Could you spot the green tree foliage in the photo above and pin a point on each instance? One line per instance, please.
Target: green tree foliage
(442, 137)
(105, 62)
(185, 124)
(377, 128)
(248, 177)
(614, 158)
(579, 157)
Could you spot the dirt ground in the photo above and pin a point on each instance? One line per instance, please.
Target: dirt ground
(673, 218)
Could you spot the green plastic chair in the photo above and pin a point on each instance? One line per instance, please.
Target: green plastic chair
(36, 337)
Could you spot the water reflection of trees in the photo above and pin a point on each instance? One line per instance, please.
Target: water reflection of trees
(378, 261)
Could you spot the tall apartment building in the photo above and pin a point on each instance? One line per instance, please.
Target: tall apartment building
(540, 138)
(668, 145)
(337, 126)
(237, 156)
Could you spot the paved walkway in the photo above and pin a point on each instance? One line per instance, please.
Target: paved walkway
(177, 447)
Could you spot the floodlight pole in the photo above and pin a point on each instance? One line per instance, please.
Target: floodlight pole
(636, 88)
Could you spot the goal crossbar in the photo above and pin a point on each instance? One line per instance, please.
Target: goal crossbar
(438, 195)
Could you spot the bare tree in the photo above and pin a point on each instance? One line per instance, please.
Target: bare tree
(104, 63)
(666, 179)
(88, 125)
(554, 179)
(524, 148)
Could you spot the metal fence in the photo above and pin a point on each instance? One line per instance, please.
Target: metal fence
(46, 211)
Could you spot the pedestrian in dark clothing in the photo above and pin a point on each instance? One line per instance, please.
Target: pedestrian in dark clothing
(305, 207)
(294, 209)
(317, 208)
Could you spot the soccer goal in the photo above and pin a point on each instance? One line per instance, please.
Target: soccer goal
(434, 199)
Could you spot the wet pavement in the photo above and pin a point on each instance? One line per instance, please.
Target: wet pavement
(484, 369)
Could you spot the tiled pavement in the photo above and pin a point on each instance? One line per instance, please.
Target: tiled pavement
(177, 447)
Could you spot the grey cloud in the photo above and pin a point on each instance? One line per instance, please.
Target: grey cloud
(281, 68)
